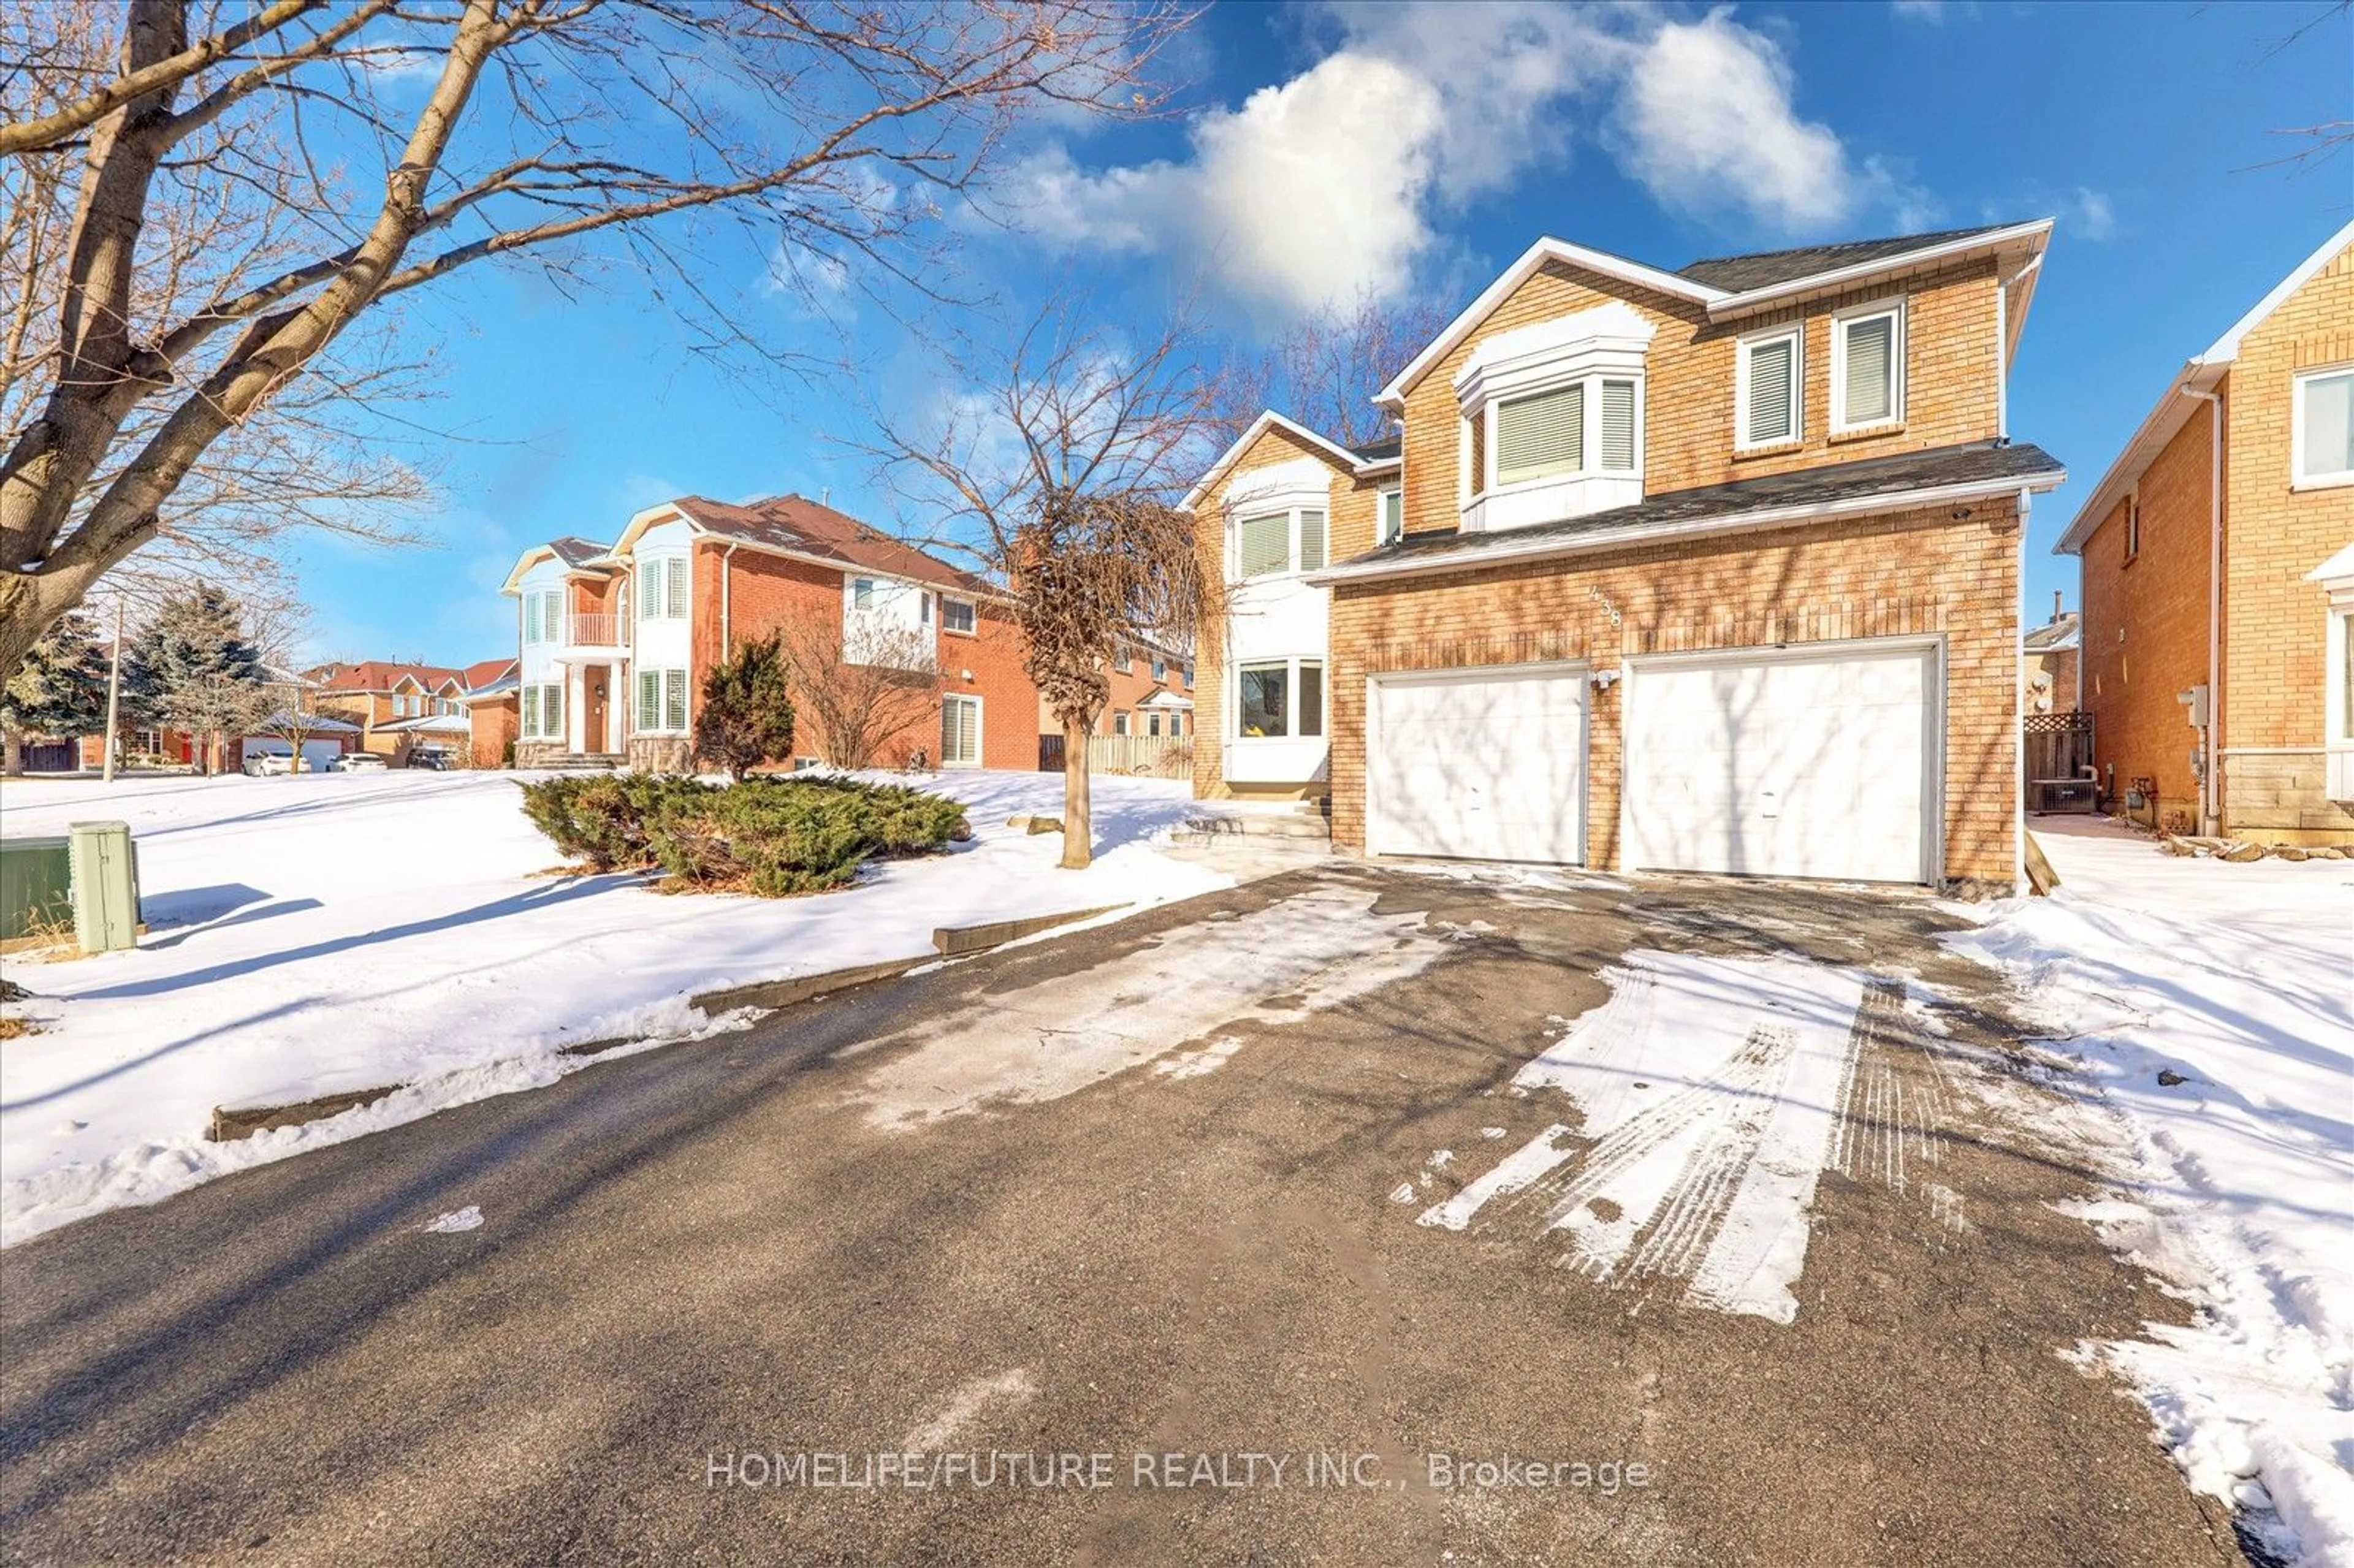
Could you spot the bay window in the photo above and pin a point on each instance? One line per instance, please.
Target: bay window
(1270, 544)
(661, 589)
(1278, 698)
(2322, 436)
(1868, 366)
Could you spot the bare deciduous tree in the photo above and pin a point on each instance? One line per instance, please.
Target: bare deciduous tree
(1324, 369)
(220, 206)
(1060, 476)
(850, 708)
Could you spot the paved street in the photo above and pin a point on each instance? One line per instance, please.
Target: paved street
(1212, 1221)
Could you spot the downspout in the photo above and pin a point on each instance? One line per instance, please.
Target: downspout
(2208, 810)
(727, 559)
(2019, 883)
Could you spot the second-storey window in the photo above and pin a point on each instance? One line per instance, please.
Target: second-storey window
(1276, 542)
(1868, 366)
(957, 615)
(1765, 390)
(1542, 435)
(1389, 514)
(661, 589)
(2324, 438)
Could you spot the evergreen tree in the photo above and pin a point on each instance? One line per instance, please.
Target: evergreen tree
(60, 688)
(747, 715)
(194, 667)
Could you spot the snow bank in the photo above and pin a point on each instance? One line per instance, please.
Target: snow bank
(2239, 980)
(330, 932)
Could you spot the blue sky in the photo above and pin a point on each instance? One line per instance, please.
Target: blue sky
(1410, 151)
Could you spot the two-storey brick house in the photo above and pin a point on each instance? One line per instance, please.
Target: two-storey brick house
(615, 641)
(1715, 569)
(2217, 562)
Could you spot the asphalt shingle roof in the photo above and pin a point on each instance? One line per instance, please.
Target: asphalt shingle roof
(1763, 269)
(807, 527)
(1891, 476)
(1379, 451)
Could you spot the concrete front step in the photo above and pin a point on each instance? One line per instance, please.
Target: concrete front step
(603, 760)
(1291, 826)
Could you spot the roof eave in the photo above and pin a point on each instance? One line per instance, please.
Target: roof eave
(2166, 417)
(1697, 528)
(1340, 456)
(2033, 235)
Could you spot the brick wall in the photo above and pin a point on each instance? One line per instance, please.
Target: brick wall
(769, 592)
(493, 727)
(1951, 378)
(2146, 625)
(2273, 621)
(1908, 573)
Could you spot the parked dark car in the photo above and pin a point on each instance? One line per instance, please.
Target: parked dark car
(431, 756)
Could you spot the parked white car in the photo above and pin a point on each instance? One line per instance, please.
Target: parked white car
(359, 762)
(267, 763)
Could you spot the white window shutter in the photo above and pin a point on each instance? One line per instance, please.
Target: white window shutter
(1868, 379)
(1772, 411)
(529, 723)
(1541, 434)
(649, 699)
(674, 590)
(1618, 426)
(1311, 541)
(552, 710)
(673, 699)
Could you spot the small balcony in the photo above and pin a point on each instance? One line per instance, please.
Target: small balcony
(591, 636)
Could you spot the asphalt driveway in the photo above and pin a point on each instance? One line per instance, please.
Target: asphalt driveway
(1221, 1235)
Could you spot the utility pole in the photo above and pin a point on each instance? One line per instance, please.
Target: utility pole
(113, 690)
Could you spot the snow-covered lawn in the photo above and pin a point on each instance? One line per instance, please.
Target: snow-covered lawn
(2240, 1186)
(331, 932)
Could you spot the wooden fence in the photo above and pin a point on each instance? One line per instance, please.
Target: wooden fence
(1136, 755)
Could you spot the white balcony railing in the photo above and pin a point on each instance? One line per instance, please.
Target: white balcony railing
(592, 629)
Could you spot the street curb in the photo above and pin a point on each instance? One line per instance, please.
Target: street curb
(228, 1125)
(956, 941)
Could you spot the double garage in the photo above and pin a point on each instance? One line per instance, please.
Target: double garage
(1821, 761)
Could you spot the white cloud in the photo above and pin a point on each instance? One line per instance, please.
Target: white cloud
(2088, 213)
(1323, 190)
(1310, 194)
(1709, 124)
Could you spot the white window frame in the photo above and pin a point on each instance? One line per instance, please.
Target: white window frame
(1291, 665)
(655, 606)
(1384, 499)
(1746, 346)
(2298, 479)
(1160, 668)
(863, 591)
(971, 610)
(979, 730)
(1840, 321)
(1291, 512)
(661, 674)
(1119, 721)
(1589, 434)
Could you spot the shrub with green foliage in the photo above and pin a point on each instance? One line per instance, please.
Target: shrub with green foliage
(746, 717)
(769, 836)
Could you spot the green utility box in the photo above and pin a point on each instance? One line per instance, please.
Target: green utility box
(105, 886)
(35, 887)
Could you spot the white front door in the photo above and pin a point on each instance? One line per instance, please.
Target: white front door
(1793, 763)
(1477, 764)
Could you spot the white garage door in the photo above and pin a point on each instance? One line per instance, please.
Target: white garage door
(1482, 765)
(1782, 765)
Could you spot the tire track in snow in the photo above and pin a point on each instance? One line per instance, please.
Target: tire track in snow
(1786, 1068)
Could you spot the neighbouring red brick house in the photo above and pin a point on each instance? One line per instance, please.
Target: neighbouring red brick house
(615, 641)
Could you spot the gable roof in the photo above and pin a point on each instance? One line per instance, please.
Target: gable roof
(1758, 269)
(808, 530)
(2054, 636)
(1727, 286)
(487, 673)
(2200, 373)
(1356, 462)
(577, 554)
(380, 675)
(1971, 470)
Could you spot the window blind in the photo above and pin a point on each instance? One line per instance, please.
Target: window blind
(1868, 379)
(674, 590)
(1542, 435)
(649, 699)
(1772, 409)
(530, 716)
(673, 699)
(649, 594)
(1311, 541)
(960, 731)
(1311, 697)
(1618, 426)
(1262, 545)
(551, 711)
